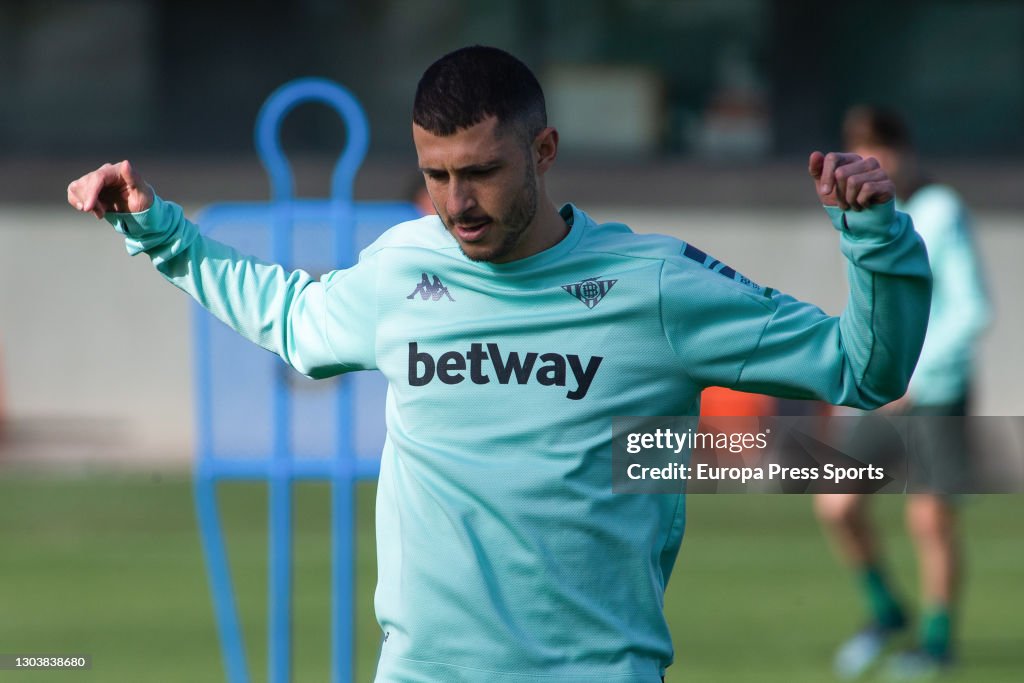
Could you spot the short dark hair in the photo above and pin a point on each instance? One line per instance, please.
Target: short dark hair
(871, 126)
(466, 86)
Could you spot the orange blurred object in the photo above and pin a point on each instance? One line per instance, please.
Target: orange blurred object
(719, 401)
(719, 410)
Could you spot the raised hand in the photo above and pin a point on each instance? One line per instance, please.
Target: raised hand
(849, 181)
(111, 187)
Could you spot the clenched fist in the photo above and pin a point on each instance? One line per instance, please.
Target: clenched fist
(111, 187)
(849, 181)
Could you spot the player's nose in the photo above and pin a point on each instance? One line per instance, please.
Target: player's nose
(460, 198)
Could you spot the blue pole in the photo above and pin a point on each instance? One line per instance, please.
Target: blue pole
(232, 647)
(280, 578)
(342, 494)
(342, 564)
(280, 491)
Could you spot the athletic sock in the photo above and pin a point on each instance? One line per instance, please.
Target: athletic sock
(936, 631)
(885, 609)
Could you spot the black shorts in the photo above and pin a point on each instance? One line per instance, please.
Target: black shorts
(939, 448)
(927, 447)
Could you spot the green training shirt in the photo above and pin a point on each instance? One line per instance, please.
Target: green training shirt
(503, 553)
(959, 308)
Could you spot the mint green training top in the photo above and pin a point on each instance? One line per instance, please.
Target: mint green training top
(503, 553)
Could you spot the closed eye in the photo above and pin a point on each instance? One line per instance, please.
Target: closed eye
(473, 172)
(439, 176)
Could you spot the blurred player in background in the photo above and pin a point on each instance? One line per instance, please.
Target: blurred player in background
(510, 332)
(941, 386)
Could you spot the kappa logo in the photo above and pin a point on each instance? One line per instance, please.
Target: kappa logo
(430, 290)
(590, 291)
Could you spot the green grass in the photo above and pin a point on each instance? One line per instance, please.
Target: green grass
(111, 566)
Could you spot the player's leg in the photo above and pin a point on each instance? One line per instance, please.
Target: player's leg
(939, 454)
(845, 519)
(847, 523)
(932, 523)
(931, 520)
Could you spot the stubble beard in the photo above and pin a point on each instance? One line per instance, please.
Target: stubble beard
(514, 223)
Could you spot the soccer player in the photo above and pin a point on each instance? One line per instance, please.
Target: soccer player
(510, 332)
(940, 387)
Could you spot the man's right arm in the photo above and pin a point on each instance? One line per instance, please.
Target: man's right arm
(284, 312)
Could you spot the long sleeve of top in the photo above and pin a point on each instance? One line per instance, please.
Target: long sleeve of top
(759, 340)
(284, 312)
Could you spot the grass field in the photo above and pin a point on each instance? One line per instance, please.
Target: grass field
(111, 566)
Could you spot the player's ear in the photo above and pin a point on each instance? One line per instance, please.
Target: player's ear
(545, 149)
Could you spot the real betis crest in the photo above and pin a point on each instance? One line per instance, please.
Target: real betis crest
(590, 291)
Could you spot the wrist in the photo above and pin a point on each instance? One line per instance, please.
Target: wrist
(878, 220)
(138, 223)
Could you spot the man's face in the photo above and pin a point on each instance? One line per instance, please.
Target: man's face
(482, 182)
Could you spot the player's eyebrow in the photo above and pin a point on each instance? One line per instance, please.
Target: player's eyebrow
(472, 168)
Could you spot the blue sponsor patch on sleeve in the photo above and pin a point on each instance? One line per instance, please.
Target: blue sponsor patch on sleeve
(713, 264)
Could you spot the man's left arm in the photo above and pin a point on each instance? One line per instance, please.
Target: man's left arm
(865, 358)
(771, 343)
